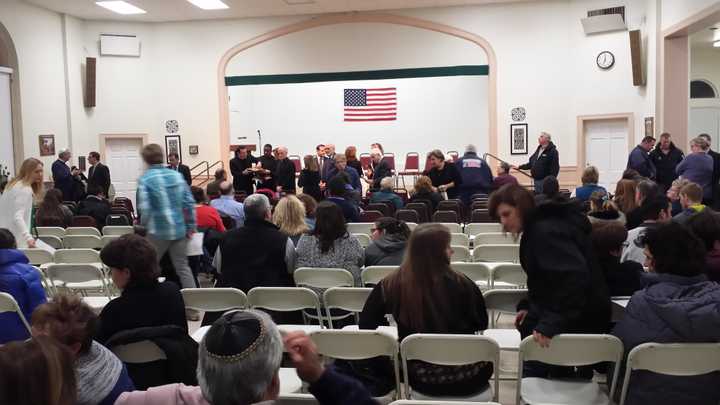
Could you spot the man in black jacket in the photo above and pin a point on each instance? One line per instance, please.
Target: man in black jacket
(716, 173)
(544, 162)
(98, 174)
(666, 157)
(95, 205)
(240, 167)
(380, 169)
(284, 172)
(175, 164)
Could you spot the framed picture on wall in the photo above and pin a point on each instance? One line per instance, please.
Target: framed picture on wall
(47, 145)
(518, 139)
(194, 149)
(172, 145)
(650, 126)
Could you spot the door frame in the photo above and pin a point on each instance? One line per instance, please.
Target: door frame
(629, 118)
(105, 137)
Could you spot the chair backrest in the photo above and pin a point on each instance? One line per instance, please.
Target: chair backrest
(82, 241)
(52, 241)
(474, 271)
(675, 359)
(345, 298)
(105, 239)
(360, 227)
(407, 215)
(453, 227)
(510, 274)
(38, 257)
(365, 160)
(76, 256)
(82, 230)
(117, 220)
(481, 216)
(412, 161)
(445, 216)
(459, 239)
(384, 209)
(124, 212)
(83, 221)
(370, 216)
(496, 253)
(449, 350)
(75, 273)
(8, 304)
(422, 211)
(402, 193)
(476, 228)
(460, 254)
(144, 351)
(372, 275)
(296, 399)
(214, 299)
(363, 238)
(126, 202)
(503, 301)
(450, 205)
(323, 277)
(389, 157)
(571, 350)
(50, 231)
(117, 230)
(284, 299)
(495, 238)
(295, 159)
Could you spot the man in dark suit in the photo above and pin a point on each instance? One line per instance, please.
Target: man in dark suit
(284, 172)
(99, 174)
(95, 205)
(175, 164)
(62, 176)
(381, 168)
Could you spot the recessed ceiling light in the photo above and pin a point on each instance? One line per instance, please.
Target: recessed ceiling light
(209, 4)
(120, 7)
(716, 44)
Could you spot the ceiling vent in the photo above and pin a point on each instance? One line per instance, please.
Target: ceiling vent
(604, 20)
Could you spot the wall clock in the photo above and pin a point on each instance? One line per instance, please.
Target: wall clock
(605, 60)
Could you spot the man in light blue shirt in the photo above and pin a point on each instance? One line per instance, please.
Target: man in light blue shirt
(227, 205)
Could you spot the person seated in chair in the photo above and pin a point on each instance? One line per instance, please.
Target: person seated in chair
(95, 205)
(338, 193)
(227, 205)
(386, 193)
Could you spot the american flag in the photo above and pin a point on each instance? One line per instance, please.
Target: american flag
(371, 104)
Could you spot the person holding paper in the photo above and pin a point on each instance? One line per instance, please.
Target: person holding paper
(16, 203)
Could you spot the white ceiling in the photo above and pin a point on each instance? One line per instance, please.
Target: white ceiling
(181, 10)
(704, 39)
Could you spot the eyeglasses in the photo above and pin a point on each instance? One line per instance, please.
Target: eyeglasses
(375, 229)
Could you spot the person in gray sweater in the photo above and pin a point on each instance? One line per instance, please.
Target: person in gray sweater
(390, 238)
(698, 167)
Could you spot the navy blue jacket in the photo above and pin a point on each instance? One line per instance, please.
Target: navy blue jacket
(22, 281)
(63, 179)
(475, 173)
(350, 211)
(641, 162)
(352, 174)
(672, 309)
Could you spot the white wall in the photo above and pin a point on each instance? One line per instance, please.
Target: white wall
(705, 64)
(674, 11)
(6, 137)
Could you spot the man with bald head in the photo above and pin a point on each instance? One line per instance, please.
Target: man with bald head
(284, 172)
(227, 205)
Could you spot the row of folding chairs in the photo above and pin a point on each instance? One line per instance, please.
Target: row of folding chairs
(78, 241)
(468, 229)
(485, 275)
(83, 230)
(460, 239)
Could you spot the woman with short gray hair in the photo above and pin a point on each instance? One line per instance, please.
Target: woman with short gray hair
(697, 167)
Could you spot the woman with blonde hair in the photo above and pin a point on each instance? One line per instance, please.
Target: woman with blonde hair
(590, 178)
(352, 160)
(423, 190)
(289, 215)
(310, 178)
(16, 203)
(625, 195)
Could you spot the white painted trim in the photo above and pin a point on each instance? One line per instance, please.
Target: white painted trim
(6, 70)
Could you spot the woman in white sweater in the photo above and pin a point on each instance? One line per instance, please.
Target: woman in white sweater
(16, 203)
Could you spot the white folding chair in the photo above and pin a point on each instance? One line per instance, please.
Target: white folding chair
(496, 253)
(8, 304)
(82, 230)
(452, 227)
(412, 402)
(503, 301)
(284, 299)
(450, 350)
(508, 276)
(295, 399)
(38, 257)
(476, 228)
(363, 238)
(460, 254)
(347, 299)
(411, 225)
(50, 231)
(459, 239)
(322, 277)
(494, 238)
(76, 256)
(82, 278)
(479, 273)
(675, 359)
(82, 241)
(52, 241)
(105, 239)
(359, 345)
(117, 230)
(214, 299)
(144, 351)
(567, 350)
(372, 275)
(360, 227)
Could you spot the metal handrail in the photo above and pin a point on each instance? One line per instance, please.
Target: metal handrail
(206, 170)
(524, 173)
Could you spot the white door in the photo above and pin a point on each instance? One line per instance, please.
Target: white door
(126, 166)
(606, 149)
(7, 159)
(705, 120)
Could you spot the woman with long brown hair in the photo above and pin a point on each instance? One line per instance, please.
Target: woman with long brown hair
(16, 203)
(352, 160)
(426, 296)
(52, 212)
(625, 195)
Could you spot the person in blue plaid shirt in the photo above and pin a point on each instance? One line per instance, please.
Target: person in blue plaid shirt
(167, 210)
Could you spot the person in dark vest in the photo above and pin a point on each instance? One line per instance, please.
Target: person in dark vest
(475, 173)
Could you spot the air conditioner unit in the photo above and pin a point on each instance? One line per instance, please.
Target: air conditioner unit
(119, 45)
(604, 20)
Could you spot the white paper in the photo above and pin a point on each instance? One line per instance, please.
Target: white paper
(195, 244)
(40, 244)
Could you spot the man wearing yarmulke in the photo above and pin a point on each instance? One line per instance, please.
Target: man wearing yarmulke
(239, 363)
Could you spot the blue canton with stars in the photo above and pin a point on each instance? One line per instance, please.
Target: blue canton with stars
(355, 97)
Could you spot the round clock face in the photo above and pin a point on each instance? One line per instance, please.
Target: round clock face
(605, 60)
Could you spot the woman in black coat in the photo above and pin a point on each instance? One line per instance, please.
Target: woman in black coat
(310, 178)
(567, 292)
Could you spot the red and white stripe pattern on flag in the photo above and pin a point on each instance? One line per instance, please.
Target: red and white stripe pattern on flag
(371, 104)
